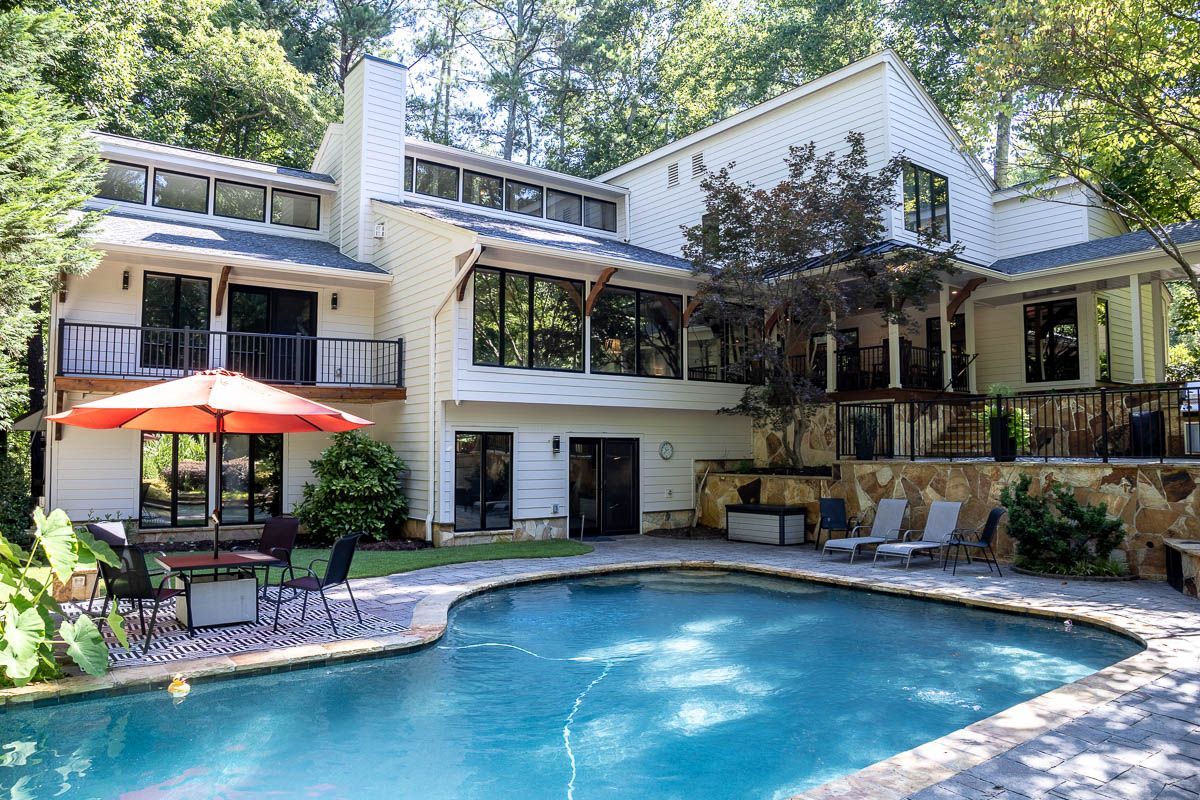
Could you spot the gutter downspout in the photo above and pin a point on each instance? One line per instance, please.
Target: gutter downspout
(435, 436)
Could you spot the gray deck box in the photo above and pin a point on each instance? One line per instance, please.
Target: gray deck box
(765, 524)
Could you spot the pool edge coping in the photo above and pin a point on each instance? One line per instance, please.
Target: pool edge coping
(889, 779)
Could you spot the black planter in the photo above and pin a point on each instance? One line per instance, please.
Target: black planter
(864, 449)
(1004, 444)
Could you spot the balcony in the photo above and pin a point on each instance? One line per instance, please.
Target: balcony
(96, 357)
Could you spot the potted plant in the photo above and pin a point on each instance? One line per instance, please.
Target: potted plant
(1004, 424)
(866, 428)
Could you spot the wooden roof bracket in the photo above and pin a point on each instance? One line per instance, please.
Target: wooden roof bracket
(222, 285)
(598, 287)
(961, 297)
(460, 291)
(692, 305)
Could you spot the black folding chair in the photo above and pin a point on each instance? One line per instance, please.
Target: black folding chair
(132, 581)
(337, 573)
(981, 544)
(833, 518)
(278, 540)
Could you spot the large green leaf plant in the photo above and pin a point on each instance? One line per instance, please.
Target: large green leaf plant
(31, 621)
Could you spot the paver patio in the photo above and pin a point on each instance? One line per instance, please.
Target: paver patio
(1131, 730)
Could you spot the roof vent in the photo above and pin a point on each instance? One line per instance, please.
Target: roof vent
(672, 174)
(698, 168)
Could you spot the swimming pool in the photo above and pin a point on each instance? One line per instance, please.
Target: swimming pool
(655, 685)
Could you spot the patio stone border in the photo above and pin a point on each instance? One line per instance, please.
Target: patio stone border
(1170, 636)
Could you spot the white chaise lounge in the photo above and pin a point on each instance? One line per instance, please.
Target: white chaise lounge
(886, 527)
(939, 529)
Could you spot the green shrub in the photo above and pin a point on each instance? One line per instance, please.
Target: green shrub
(358, 490)
(28, 609)
(1018, 418)
(1056, 533)
(16, 505)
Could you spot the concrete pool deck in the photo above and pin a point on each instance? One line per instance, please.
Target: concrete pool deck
(1131, 730)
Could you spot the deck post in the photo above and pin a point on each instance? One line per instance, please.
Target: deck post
(831, 355)
(893, 355)
(1158, 330)
(944, 322)
(1135, 312)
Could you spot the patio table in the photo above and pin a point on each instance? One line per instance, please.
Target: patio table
(221, 599)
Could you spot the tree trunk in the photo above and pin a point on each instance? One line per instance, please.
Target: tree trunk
(1003, 140)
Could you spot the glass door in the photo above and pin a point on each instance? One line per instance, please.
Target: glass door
(285, 349)
(483, 481)
(584, 476)
(603, 486)
(173, 306)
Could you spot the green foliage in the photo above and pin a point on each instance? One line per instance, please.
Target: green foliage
(28, 610)
(15, 503)
(1056, 533)
(866, 429)
(359, 490)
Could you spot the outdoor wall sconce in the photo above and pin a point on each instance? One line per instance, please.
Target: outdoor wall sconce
(333, 301)
(556, 445)
(125, 281)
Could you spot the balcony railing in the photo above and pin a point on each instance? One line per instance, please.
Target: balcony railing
(1159, 422)
(126, 351)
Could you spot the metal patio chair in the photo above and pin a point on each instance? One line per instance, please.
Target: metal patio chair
(337, 573)
(833, 518)
(982, 543)
(132, 581)
(940, 527)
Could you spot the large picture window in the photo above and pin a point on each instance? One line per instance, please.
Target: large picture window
(1052, 341)
(926, 202)
(174, 486)
(600, 214)
(180, 191)
(722, 351)
(295, 210)
(483, 492)
(528, 321)
(483, 190)
(635, 332)
(125, 182)
(240, 201)
(523, 198)
(251, 477)
(436, 180)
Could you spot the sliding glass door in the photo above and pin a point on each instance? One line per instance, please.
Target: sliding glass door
(483, 489)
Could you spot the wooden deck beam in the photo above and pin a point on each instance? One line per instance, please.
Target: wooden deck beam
(345, 394)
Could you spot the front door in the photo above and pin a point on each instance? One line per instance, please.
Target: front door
(603, 486)
(284, 349)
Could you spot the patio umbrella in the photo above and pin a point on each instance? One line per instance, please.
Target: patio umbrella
(214, 401)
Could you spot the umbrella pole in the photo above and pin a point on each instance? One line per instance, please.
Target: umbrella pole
(220, 488)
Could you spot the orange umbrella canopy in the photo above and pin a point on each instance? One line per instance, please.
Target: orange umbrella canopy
(210, 402)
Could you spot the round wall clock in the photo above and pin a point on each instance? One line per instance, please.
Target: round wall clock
(666, 450)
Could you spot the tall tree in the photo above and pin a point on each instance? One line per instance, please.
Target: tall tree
(48, 168)
(360, 27)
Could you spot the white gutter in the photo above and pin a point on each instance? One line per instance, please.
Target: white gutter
(248, 262)
(435, 435)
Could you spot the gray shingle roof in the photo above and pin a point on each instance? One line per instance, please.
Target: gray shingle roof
(1124, 245)
(122, 228)
(265, 166)
(530, 233)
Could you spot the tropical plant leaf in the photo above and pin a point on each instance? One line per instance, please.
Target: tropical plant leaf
(99, 549)
(85, 645)
(117, 624)
(11, 552)
(24, 631)
(58, 541)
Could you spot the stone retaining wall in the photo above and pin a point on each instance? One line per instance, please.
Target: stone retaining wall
(1154, 501)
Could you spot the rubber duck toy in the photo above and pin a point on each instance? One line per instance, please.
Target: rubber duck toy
(1068, 626)
(179, 688)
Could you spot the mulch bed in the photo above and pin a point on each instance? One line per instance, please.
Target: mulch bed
(698, 532)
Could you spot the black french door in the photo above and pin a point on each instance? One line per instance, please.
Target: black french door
(603, 487)
(285, 349)
(483, 489)
(175, 317)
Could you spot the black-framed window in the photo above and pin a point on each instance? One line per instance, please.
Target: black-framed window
(721, 352)
(926, 202)
(483, 489)
(174, 480)
(408, 173)
(125, 182)
(600, 214)
(636, 332)
(1103, 341)
(564, 206)
(1052, 341)
(180, 191)
(484, 190)
(523, 198)
(180, 304)
(528, 321)
(251, 477)
(240, 201)
(435, 180)
(295, 209)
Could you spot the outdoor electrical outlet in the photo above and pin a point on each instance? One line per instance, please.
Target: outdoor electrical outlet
(78, 581)
(554, 509)
(670, 492)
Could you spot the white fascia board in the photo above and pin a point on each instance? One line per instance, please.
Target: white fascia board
(291, 268)
(484, 163)
(1103, 268)
(1030, 189)
(332, 130)
(590, 258)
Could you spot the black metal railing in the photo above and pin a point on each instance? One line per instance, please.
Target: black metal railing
(920, 367)
(1152, 422)
(126, 351)
(860, 368)
(866, 430)
(960, 377)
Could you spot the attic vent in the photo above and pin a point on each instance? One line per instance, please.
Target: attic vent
(698, 164)
(672, 174)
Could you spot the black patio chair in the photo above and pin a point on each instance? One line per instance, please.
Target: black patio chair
(337, 573)
(113, 535)
(132, 581)
(278, 540)
(833, 518)
(981, 543)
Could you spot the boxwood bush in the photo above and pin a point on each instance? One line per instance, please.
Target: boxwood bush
(1056, 533)
(359, 489)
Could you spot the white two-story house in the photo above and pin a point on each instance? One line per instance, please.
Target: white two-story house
(522, 337)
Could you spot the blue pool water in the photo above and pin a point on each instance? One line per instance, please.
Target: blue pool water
(651, 685)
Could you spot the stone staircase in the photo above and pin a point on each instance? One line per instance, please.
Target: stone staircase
(964, 437)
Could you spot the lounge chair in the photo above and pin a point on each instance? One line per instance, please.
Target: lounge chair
(981, 543)
(833, 518)
(132, 581)
(337, 573)
(886, 527)
(940, 527)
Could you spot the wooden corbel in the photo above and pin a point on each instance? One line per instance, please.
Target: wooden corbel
(692, 305)
(773, 319)
(460, 291)
(222, 285)
(961, 297)
(597, 288)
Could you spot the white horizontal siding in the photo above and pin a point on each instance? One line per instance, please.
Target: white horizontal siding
(1027, 224)
(1000, 342)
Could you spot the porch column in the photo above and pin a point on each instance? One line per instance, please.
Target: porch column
(893, 355)
(944, 321)
(831, 353)
(1159, 330)
(968, 308)
(1135, 311)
